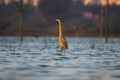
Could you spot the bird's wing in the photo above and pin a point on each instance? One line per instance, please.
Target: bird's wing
(63, 42)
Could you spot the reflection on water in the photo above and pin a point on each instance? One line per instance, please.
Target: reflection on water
(39, 59)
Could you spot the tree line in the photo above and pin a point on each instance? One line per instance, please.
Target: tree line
(67, 10)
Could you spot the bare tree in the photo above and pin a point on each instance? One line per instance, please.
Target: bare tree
(20, 8)
(107, 20)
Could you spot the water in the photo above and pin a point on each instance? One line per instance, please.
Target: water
(40, 59)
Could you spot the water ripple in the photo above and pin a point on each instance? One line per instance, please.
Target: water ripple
(39, 59)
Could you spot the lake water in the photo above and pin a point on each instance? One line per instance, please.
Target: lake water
(40, 59)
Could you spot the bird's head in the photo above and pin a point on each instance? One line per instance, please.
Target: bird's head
(58, 20)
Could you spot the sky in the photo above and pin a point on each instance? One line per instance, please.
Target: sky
(86, 2)
(103, 2)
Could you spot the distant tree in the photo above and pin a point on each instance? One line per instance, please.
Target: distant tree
(107, 21)
(20, 8)
(3, 25)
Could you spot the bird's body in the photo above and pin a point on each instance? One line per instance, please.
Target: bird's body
(62, 41)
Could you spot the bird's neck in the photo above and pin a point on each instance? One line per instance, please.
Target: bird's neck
(60, 29)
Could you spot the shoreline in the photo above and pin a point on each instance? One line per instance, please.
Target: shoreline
(54, 33)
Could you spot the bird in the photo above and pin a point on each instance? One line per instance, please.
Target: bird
(62, 40)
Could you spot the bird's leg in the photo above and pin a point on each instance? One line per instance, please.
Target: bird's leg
(64, 50)
(61, 49)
